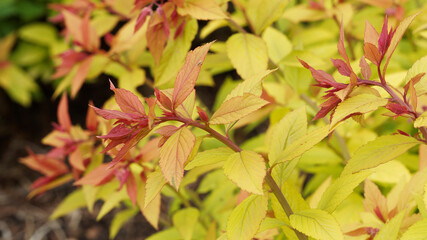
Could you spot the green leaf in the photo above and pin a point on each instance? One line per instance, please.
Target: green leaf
(174, 153)
(247, 170)
(209, 157)
(358, 104)
(111, 202)
(248, 54)
(104, 23)
(317, 224)
(340, 189)
(390, 230)
(302, 145)
(237, 108)
(155, 183)
(418, 231)
(263, 13)
(40, 33)
(120, 219)
(290, 128)
(72, 202)
(278, 45)
(421, 121)
(246, 218)
(185, 221)
(90, 193)
(379, 151)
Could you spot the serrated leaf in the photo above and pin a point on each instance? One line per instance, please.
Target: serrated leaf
(120, 219)
(248, 54)
(378, 151)
(362, 103)
(153, 186)
(400, 30)
(251, 85)
(187, 76)
(302, 145)
(185, 221)
(340, 189)
(418, 231)
(236, 108)
(174, 153)
(246, 218)
(317, 224)
(72, 202)
(290, 128)
(390, 230)
(263, 13)
(202, 9)
(247, 170)
(209, 157)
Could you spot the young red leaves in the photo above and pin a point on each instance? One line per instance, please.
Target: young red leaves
(187, 76)
(174, 153)
(63, 116)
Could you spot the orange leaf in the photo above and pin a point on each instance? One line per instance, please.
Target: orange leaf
(127, 101)
(174, 153)
(341, 47)
(371, 35)
(372, 53)
(63, 114)
(98, 175)
(80, 76)
(375, 201)
(131, 188)
(187, 76)
(81, 31)
(91, 119)
(364, 68)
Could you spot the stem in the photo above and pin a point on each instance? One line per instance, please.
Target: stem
(227, 141)
(283, 202)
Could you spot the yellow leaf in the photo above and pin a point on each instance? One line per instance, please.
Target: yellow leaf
(236, 108)
(390, 230)
(40, 33)
(120, 219)
(418, 231)
(111, 202)
(155, 183)
(132, 79)
(246, 218)
(378, 151)
(362, 103)
(263, 13)
(317, 224)
(174, 153)
(340, 189)
(251, 85)
(303, 13)
(278, 44)
(209, 157)
(72, 202)
(185, 221)
(247, 170)
(302, 145)
(292, 127)
(248, 54)
(202, 9)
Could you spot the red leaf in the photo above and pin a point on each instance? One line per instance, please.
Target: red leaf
(382, 41)
(372, 53)
(166, 131)
(46, 165)
(187, 76)
(127, 101)
(128, 145)
(112, 114)
(327, 106)
(151, 114)
(63, 115)
(364, 68)
(323, 78)
(118, 132)
(202, 114)
(91, 119)
(69, 59)
(397, 109)
(80, 76)
(142, 17)
(164, 100)
(131, 188)
(342, 67)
